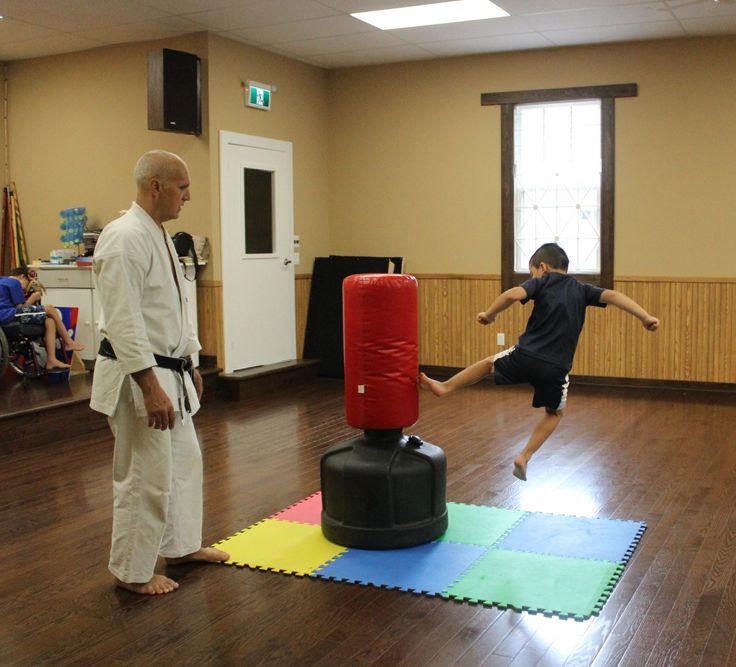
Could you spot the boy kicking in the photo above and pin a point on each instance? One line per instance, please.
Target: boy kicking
(544, 353)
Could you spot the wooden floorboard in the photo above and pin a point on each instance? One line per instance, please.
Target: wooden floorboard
(664, 457)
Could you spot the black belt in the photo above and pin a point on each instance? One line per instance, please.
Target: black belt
(179, 365)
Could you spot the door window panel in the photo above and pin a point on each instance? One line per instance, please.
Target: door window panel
(258, 211)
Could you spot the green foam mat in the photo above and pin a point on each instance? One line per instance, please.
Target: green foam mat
(475, 524)
(568, 587)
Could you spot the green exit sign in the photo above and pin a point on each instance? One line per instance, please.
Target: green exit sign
(258, 95)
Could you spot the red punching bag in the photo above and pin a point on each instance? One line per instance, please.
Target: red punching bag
(380, 334)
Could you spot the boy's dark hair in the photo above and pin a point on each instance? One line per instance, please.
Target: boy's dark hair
(20, 271)
(552, 254)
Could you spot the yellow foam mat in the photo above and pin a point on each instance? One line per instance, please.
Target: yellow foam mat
(280, 546)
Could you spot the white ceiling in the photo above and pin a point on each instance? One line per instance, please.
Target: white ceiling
(323, 33)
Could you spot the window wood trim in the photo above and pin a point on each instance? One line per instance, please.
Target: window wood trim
(608, 170)
(559, 94)
(507, 101)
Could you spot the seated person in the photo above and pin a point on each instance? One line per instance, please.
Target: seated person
(16, 306)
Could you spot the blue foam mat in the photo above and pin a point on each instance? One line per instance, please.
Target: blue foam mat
(574, 536)
(428, 568)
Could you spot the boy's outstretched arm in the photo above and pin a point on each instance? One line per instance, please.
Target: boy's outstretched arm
(649, 322)
(502, 302)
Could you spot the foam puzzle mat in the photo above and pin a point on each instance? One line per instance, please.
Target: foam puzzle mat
(553, 564)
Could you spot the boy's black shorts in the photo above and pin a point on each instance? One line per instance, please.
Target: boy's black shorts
(550, 382)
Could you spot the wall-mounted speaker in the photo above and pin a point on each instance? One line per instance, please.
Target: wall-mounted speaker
(174, 92)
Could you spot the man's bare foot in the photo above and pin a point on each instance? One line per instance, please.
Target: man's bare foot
(520, 468)
(435, 386)
(54, 364)
(73, 346)
(203, 555)
(158, 585)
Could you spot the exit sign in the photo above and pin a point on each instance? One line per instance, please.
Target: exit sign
(258, 95)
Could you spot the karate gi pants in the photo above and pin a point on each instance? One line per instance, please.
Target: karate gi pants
(157, 492)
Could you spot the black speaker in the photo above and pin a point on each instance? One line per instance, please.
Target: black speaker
(174, 92)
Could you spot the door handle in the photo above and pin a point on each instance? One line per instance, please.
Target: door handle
(287, 261)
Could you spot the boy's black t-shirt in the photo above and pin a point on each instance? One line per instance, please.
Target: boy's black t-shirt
(555, 324)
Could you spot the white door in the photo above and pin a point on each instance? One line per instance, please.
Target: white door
(257, 230)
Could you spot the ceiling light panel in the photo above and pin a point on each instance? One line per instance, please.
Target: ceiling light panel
(433, 14)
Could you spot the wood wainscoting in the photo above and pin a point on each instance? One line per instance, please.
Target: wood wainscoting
(209, 319)
(303, 286)
(696, 342)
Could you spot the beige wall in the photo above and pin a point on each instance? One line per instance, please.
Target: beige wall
(402, 159)
(78, 122)
(415, 159)
(298, 114)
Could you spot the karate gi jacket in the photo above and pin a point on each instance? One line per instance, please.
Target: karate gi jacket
(143, 311)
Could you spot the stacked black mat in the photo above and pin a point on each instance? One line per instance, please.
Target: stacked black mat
(323, 335)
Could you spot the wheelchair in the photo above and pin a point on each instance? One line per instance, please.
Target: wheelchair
(21, 348)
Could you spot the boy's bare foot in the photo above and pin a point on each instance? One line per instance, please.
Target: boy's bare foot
(435, 386)
(73, 346)
(203, 555)
(55, 364)
(520, 468)
(158, 585)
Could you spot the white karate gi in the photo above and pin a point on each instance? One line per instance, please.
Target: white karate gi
(157, 475)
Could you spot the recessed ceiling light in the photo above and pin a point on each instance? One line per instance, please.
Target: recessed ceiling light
(434, 14)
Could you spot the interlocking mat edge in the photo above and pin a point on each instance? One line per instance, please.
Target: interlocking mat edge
(552, 564)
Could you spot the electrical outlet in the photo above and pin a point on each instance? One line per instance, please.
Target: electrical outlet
(500, 339)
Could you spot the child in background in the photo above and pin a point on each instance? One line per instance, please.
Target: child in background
(544, 353)
(17, 306)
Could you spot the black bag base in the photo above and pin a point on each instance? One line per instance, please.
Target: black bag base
(383, 491)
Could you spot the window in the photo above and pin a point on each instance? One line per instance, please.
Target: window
(258, 207)
(557, 164)
(557, 181)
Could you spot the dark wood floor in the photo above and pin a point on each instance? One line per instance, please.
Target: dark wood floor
(667, 458)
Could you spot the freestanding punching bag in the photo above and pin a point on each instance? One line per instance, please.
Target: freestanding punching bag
(382, 490)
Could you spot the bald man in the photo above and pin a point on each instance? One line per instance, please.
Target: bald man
(145, 384)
